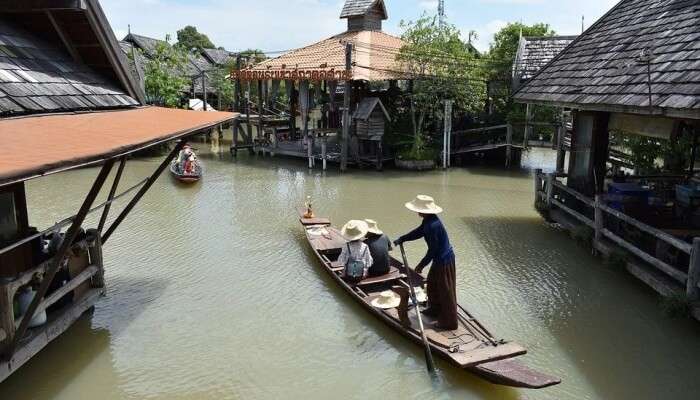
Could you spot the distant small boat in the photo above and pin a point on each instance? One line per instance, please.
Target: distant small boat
(176, 169)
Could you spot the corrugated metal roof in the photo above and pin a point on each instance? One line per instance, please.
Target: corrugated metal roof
(637, 45)
(57, 142)
(38, 76)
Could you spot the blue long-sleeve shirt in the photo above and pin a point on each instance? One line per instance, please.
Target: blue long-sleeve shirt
(439, 248)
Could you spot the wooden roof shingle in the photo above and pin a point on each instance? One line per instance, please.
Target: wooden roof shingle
(534, 52)
(356, 8)
(38, 76)
(637, 47)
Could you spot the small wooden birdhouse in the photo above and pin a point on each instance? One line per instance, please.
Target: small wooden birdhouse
(370, 117)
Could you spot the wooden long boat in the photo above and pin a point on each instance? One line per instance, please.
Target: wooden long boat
(185, 177)
(471, 346)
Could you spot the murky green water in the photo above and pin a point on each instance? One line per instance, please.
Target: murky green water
(213, 294)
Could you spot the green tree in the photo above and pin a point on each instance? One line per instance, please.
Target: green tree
(499, 66)
(443, 68)
(221, 81)
(165, 75)
(189, 38)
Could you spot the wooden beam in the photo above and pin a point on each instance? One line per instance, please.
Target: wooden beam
(70, 236)
(112, 191)
(143, 190)
(11, 6)
(64, 38)
(694, 272)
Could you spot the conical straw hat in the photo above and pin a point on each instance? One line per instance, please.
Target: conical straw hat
(424, 204)
(354, 230)
(387, 299)
(372, 227)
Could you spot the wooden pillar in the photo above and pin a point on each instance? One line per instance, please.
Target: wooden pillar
(589, 152)
(509, 145)
(380, 156)
(561, 150)
(550, 189)
(289, 86)
(95, 252)
(528, 126)
(692, 290)
(204, 91)
(323, 151)
(346, 110)
(598, 219)
(234, 145)
(538, 184)
(261, 112)
(7, 320)
(238, 107)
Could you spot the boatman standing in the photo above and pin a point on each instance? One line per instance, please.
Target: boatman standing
(442, 291)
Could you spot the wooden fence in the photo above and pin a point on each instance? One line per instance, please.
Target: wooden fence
(595, 214)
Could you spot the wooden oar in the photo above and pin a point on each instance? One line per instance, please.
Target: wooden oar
(428, 354)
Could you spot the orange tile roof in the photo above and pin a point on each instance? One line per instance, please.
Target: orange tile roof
(374, 56)
(42, 145)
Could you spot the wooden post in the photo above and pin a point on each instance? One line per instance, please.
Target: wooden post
(7, 319)
(448, 129)
(238, 106)
(550, 189)
(234, 144)
(323, 151)
(509, 145)
(528, 126)
(204, 90)
(289, 86)
(598, 218)
(346, 111)
(561, 151)
(260, 110)
(538, 183)
(95, 252)
(692, 290)
(310, 149)
(380, 156)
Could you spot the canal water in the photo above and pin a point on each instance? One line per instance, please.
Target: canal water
(213, 294)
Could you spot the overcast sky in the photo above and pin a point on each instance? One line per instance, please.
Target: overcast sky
(273, 25)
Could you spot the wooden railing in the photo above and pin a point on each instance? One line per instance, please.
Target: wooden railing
(596, 215)
(92, 273)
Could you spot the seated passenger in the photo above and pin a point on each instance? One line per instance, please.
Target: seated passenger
(379, 247)
(355, 255)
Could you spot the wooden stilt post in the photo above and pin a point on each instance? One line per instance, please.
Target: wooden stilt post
(380, 155)
(509, 145)
(550, 189)
(234, 145)
(346, 111)
(538, 184)
(7, 320)
(151, 180)
(323, 151)
(56, 262)
(561, 151)
(528, 126)
(204, 91)
(692, 290)
(598, 219)
(95, 252)
(261, 112)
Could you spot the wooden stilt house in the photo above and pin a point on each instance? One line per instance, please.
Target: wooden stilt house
(636, 71)
(67, 100)
(335, 74)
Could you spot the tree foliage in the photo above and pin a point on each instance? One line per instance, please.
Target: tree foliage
(189, 38)
(164, 75)
(443, 68)
(500, 68)
(224, 86)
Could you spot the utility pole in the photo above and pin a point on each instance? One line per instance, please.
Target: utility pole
(441, 12)
(344, 140)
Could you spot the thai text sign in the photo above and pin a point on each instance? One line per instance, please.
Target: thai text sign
(293, 74)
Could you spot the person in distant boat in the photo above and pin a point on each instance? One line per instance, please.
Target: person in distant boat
(184, 156)
(379, 247)
(442, 291)
(355, 255)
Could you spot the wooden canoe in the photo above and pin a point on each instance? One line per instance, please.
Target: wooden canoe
(184, 177)
(471, 347)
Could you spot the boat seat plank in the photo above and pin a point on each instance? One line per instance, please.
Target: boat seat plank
(489, 353)
(393, 275)
(518, 374)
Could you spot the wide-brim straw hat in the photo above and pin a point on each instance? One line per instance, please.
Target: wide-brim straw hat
(387, 299)
(421, 296)
(354, 230)
(372, 227)
(424, 204)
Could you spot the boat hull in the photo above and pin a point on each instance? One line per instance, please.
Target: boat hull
(495, 365)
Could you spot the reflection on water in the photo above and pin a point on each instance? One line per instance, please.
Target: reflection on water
(212, 294)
